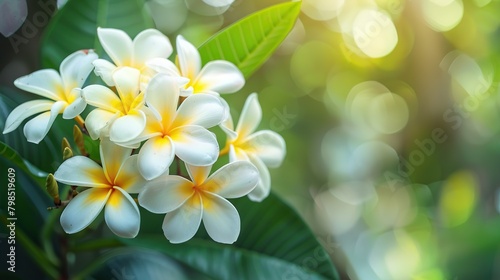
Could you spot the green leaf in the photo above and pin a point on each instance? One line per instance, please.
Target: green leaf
(12, 156)
(74, 27)
(274, 243)
(249, 42)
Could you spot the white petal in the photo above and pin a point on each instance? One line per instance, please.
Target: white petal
(250, 116)
(203, 110)
(81, 171)
(117, 45)
(164, 66)
(104, 69)
(46, 83)
(165, 194)
(233, 180)
(127, 83)
(74, 109)
(198, 173)
(227, 124)
(112, 158)
(127, 128)
(183, 223)
(148, 44)
(221, 219)
(263, 187)
(25, 110)
(219, 76)
(76, 68)
(162, 96)
(83, 209)
(102, 97)
(122, 214)
(153, 128)
(36, 129)
(155, 157)
(189, 58)
(128, 177)
(236, 154)
(195, 145)
(268, 145)
(98, 121)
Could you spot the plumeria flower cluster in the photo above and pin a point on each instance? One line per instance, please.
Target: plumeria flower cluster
(150, 112)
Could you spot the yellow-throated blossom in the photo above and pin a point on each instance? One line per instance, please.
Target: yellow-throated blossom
(187, 203)
(148, 44)
(263, 148)
(109, 188)
(62, 90)
(178, 131)
(216, 77)
(121, 116)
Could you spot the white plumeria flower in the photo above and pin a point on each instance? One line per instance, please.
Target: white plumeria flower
(110, 187)
(177, 131)
(216, 77)
(63, 90)
(121, 116)
(187, 203)
(148, 44)
(263, 148)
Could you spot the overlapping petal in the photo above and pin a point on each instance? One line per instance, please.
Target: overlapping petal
(76, 68)
(250, 117)
(203, 110)
(25, 110)
(195, 145)
(127, 84)
(162, 96)
(155, 157)
(181, 224)
(164, 66)
(128, 177)
(189, 58)
(220, 77)
(263, 187)
(98, 121)
(149, 44)
(102, 97)
(74, 109)
(128, 127)
(268, 145)
(83, 209)
(36, 129)
(112, 157)
(233, 180)
(165, 194)
(220, 218)
(81, 171)
(117, 45)
(104, 69)
(122, 214)
(198, 173)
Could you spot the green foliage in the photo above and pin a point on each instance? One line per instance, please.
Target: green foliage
(75, 26)
(251, 41)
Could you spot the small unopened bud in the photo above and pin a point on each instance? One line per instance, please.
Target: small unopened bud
(53, 189)
(65, 144)
(78, 137)
(67, 153)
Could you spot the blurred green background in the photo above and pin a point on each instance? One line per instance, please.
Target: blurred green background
(390, 112)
